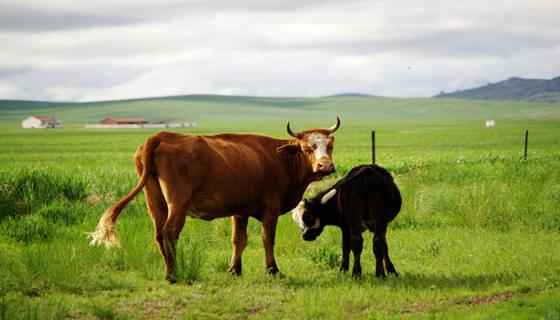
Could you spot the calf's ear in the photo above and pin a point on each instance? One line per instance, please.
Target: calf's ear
(328, 196)
(289, 149)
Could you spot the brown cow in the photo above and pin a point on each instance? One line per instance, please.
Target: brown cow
(208, 177)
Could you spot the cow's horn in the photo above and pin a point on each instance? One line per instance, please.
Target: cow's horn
(293, 134)
(328, 196)
(334, 127)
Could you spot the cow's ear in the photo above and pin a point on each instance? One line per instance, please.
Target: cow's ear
(289, 148)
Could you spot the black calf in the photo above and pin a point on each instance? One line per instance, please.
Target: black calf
(366, 198)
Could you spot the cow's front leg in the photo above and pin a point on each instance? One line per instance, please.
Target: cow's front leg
(344, 264)
(357, 245)
(238, 242)
(269, 222)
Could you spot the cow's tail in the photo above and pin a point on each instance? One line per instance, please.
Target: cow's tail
(105, 233)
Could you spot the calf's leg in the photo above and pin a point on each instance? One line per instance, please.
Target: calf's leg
(381, 252)
(344, 264)
(357, 246)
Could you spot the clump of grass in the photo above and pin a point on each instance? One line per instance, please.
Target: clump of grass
(191, 258)
(432, 249)
(29, 228)
(220, 264)
(63, 212)
(25, 191)
(324, 257)
(103, 311)
(17, 308)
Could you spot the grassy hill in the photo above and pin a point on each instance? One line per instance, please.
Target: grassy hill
(535, 90)
(237, 109)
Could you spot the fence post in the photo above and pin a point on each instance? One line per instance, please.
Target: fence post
(373, 146)
(526, 143)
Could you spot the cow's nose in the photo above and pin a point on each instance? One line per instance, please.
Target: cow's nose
(324, 166)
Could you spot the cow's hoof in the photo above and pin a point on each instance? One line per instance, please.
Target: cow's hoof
(356, 271)
(171, 279)
(394, 272)
(235, 270)
(273, 270)
(356, 274)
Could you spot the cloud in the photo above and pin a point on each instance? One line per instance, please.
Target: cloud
(76, 50)
(18, 18)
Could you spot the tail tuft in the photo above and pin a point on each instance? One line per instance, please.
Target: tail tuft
(105, 233)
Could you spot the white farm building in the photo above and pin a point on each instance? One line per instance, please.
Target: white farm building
(40, 122)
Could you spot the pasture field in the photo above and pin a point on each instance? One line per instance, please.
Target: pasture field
(478, 235)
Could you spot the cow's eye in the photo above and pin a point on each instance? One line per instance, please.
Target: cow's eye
(314, 147)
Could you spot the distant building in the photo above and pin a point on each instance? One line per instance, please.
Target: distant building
(136, 123)
(40, 122)
(490, 123)
(124, 121)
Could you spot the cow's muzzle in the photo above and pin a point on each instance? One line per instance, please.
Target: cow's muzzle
(324, 165)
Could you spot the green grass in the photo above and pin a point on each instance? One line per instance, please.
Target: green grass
(477, 236)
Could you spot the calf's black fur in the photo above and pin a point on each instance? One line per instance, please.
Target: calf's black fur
(366, 198)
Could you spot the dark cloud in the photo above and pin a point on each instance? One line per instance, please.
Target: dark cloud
(480, 42)
(20, 18)
(11, 72)
(447, 43)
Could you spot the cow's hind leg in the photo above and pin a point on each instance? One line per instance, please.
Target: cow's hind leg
(238, 242)
(158, 211)
(171, 230)
(388, 263)
(381, 252)
(155, 202)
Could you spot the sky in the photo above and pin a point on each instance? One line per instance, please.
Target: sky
(68, 50)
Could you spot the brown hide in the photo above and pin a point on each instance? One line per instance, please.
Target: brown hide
(229, 174)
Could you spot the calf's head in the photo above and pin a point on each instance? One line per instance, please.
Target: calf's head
(316, 145)
(308, 215)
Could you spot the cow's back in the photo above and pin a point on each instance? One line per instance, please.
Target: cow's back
(370, 189)
(223, 174)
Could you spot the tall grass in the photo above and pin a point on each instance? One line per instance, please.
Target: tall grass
(25, 191)
(502, 193)
(191, 259)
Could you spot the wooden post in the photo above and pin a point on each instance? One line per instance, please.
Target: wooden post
(373, 146)
(526, 143)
